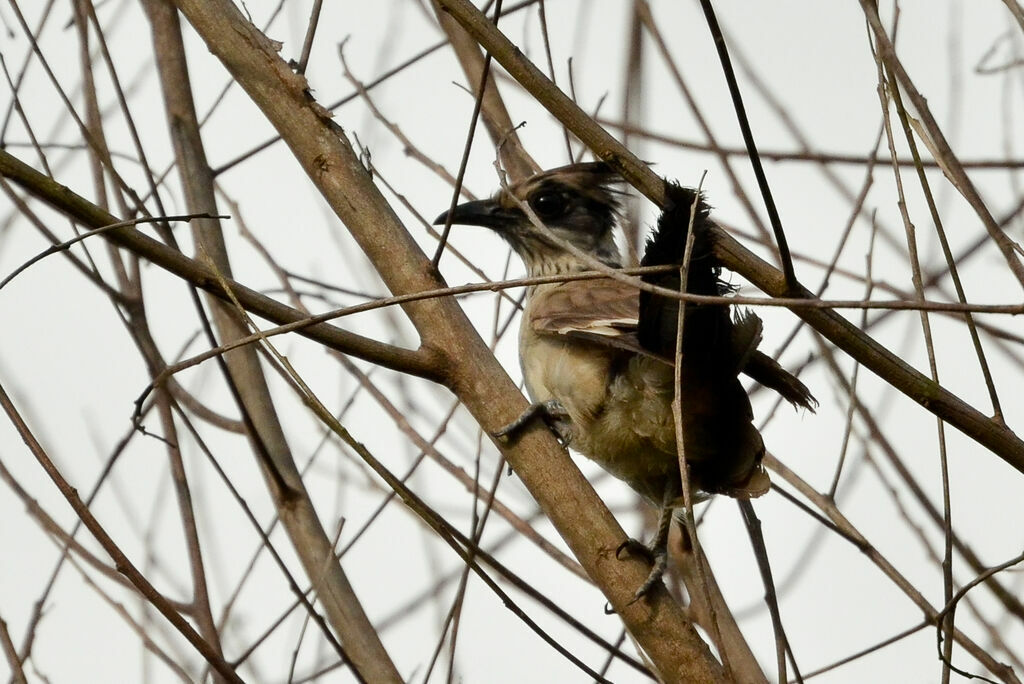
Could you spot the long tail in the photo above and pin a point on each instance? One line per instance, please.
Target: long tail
(659, 315)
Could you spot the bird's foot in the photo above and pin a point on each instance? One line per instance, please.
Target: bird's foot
(656, 552)
(656, 555)
(635, 547)
(554, 415)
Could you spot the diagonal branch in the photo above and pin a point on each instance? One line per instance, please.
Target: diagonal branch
(121, 561)
(495, 116)
(248, 383)
(420, 363)
(940, 147)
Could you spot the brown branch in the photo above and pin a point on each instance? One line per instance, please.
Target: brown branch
(630, 128)
(295, 507)
(11, 653)
(142, 630)
(121, 561)
(420, 363)
(496, 117)
(65, 541)
(999, 439)
(938, 146)
(854, 536)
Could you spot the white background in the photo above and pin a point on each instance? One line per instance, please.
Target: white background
(74, 373)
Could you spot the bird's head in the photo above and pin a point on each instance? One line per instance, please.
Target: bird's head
(577, 203)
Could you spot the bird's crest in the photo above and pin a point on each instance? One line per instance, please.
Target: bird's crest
(592, 181)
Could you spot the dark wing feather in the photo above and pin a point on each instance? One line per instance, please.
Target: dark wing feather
(712, 335)
(769, 373)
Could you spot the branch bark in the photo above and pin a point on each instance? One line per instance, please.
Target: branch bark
(313, 546)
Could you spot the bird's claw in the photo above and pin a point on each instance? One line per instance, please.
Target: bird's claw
(657, 557)
(653, 578)
(504, 435)
(635, 547)
(552, 412)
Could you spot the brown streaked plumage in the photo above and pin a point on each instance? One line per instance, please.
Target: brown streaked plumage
(597, 356)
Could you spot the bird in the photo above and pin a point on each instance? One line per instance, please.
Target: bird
(598, 355)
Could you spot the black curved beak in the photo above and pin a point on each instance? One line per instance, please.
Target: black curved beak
(487, 213)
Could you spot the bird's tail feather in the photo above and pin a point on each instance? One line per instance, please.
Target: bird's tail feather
(666, 247)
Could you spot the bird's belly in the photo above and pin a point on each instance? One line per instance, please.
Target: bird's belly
(574, 375)
(625, 426)
(633, 438)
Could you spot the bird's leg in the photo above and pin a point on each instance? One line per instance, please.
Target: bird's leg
(656, 552)
(554, 415)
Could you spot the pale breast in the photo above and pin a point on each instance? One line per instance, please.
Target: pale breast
(556, 368)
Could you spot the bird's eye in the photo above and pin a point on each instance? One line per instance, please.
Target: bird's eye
(549, 205)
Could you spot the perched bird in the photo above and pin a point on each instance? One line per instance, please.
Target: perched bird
(598, 356)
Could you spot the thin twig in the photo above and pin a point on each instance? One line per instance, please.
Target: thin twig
(307, 43)
(470, 133)
(124, 565)
(748, 139)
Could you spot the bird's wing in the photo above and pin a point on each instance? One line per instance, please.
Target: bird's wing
(607, 308)
(600, 312)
